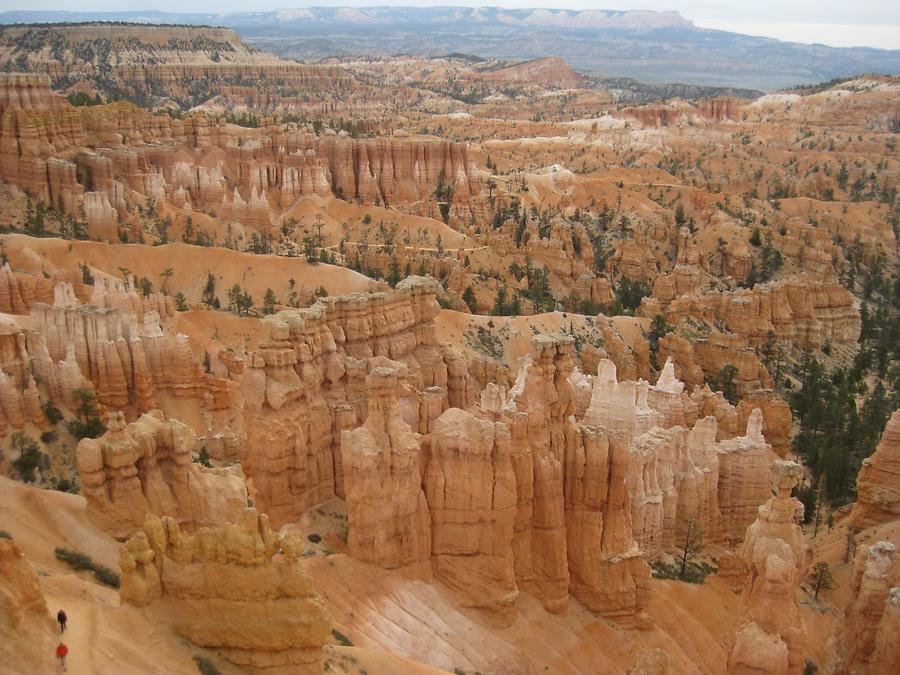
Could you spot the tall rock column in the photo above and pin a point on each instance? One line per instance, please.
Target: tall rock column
(543, 403)
(870, 609)
(776, 554)
(387, 511)
(27, 633)
(608, 573)
(744, 470)
(471, 490)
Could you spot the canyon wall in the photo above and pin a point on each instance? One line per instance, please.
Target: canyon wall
(559, 497)
(307, 384)
(95, 163)
(801, 310)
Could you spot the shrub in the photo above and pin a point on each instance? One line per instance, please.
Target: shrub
(694, 572)
(30, 457)
(79, 561)
(66, 485)
(755, 238)
(205, 666)
(629, 293)
(5, 535)
(341, 638)
(106, 576)
(203, 458)
(54, 416)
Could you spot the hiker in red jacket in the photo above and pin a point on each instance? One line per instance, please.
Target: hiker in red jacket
(61, 652)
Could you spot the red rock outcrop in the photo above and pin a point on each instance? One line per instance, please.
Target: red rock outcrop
(540, 402)
(777, 556)
(801, 310)
(27, 633)
(878, 483)
(777, 422)
(471, 491)
(743, 479)
(130, 364)
(886, 653)
(146, 468)
(871, 611)
(124, 155)
(238, 588)
(387, 513)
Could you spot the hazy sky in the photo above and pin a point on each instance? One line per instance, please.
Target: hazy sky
(873, 23)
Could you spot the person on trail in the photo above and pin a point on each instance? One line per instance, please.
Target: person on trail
(62, 618)
(61, 652)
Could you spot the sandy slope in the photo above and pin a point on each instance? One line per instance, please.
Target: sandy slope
(190, 264)
(376, 608)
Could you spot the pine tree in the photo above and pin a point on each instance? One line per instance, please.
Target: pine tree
(468, 297)
(692, 544)
(269, 302)
(821, 578)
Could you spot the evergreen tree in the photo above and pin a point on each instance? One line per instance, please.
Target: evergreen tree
(468, 297)
(821, 578)
(269, 302)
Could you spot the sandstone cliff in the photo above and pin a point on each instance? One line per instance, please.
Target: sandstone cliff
(471, 491)
(390, 522)
(98, 163)
(551, 71)
(800, 310)
(237, 588)
(146, 468)
(878, 483)
(27, 632)
(310, 378)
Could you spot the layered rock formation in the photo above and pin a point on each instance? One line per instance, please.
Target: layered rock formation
(124, 156)
(551, 71)
(878, 482)
(471, 491)
(743, 478)
(532, 490)
(119, 349)
(146, 468)
(237, 588)
(381, 459)
(772, 636)
(310, 378)
(801, 310)
(27, 632)
(144, 60)
(867, 633)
